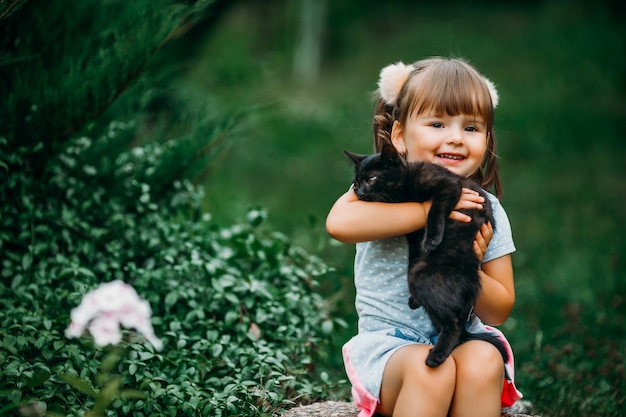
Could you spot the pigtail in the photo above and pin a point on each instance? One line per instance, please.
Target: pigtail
(491, 171)
(488, 176)
(390, 82)
(382, 124)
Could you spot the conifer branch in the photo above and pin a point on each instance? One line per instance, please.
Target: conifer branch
(9, 10)
(175, 32)
(121, 89)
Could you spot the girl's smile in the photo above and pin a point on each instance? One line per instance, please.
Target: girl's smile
(451, 159)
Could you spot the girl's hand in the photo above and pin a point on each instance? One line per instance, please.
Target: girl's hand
(469, 199)
(483, 237)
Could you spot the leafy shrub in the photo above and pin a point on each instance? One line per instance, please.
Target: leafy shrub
(236, 306)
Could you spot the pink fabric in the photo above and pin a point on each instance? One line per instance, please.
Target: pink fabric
(510, 393)
(364, 400)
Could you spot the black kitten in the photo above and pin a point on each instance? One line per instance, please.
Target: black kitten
(443, 267)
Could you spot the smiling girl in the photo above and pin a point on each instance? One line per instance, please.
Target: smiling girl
(441, 111)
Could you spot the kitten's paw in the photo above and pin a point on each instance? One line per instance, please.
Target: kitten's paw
(429, 245)
(432, 239)
(413, 304)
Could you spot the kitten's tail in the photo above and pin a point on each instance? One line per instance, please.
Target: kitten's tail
(488, 337)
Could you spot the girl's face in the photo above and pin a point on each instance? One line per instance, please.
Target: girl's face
(458, 142)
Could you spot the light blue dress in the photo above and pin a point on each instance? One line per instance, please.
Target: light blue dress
(386, 323)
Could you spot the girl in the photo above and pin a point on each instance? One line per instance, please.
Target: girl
(442, 111)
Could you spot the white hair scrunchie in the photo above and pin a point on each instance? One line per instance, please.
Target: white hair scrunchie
(393, 77)
(391, 80)
(493, 92)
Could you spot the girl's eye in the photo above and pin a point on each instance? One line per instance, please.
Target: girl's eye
(475, 128)
(436, 124)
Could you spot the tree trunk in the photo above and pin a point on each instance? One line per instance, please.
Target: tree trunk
(308, 55)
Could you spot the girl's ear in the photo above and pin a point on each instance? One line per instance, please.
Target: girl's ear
(397, 138)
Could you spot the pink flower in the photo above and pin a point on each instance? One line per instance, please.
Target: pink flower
(102, 311)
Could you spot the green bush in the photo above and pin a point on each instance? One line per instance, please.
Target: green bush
(98, 151)
(235, 306)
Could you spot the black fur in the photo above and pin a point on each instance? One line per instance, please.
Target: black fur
(443, 267)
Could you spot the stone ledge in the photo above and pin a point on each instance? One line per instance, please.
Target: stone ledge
(345, 409)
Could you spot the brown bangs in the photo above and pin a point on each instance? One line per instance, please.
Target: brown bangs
(446, 87)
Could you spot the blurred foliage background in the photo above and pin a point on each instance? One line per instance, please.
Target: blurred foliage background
(307, 68)
(560, 67)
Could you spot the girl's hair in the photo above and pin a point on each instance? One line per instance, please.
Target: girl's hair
(443, 86)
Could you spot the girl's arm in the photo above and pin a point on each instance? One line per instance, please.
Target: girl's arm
(497, 296)
(351, 220)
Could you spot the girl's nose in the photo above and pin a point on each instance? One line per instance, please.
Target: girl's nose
(455, 135)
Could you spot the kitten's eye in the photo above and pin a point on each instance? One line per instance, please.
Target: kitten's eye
(372, 180)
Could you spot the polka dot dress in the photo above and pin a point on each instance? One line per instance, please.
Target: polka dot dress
(386, 323)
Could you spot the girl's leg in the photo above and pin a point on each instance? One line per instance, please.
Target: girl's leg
(412, 389)
(479, 379)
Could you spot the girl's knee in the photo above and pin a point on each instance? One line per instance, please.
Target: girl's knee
(480, 374)
(480, 361)
(407, 373)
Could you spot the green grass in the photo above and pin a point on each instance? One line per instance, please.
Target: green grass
(559, 67)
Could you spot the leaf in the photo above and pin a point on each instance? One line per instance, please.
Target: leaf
(170, 300)
(106, 395)
(217, 349)
(86, 272)
(231, 317)
(16, 281)
(54, 414)
(38, 378)
(194, 402)
(27, 261)
(132, 368)
(327, 327)
(80, 384)
(144, 356)
(110, 361)
(133, 394)
(254, 331)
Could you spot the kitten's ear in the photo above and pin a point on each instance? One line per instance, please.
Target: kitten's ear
(389, 152)
(355, 157)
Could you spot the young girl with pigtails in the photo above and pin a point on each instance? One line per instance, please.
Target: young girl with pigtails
(442, 111)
